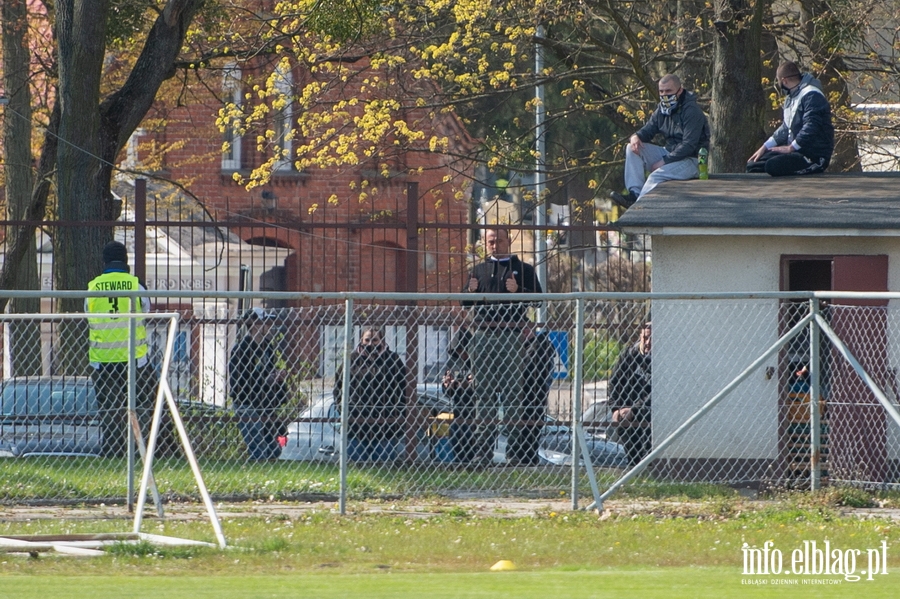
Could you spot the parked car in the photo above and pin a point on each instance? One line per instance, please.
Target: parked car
(58, 415)
(556, 447)
(48, 416)
(316, 436)
(597, 418)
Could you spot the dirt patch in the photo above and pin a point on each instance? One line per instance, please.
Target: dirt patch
(493, 507)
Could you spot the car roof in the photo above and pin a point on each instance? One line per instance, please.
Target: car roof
(47, 382)
(47, 379)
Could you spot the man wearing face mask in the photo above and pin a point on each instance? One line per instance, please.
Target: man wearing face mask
(681, 121)
(803, 144)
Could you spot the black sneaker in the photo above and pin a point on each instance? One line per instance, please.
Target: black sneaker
(625, 201)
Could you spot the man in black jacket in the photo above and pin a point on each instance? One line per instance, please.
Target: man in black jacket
(681, 121)
(377, 399)
(257, 386)
(629, 397)
(459, 388)
(803, 144)
(525, 435)
(499, 329)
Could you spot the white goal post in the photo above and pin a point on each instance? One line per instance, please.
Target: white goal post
(164, 394)
(164, 400)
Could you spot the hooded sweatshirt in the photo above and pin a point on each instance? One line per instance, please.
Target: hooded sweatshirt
(685, 128)
(807, 121)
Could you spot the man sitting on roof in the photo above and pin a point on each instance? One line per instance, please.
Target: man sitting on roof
(680, 119)
(803, 144)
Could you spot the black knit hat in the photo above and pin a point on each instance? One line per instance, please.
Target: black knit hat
(115, 251)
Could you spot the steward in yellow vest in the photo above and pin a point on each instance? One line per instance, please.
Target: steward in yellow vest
(109, 351)
(109, 335)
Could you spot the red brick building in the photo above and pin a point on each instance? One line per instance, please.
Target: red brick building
(340, 241)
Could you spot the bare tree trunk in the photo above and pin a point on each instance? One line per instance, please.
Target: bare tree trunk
(81, 35)
(834, 84)
(94, 134)
(738, 100)
(772, 113)
(25, 349)
(36, 209)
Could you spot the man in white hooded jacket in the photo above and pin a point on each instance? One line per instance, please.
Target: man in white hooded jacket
(804, 142)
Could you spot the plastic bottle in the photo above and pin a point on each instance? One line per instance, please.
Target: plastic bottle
(703, 163)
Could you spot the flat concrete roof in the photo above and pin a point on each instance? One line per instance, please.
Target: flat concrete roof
(855, 204)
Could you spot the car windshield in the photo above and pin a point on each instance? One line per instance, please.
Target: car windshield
(43, 398)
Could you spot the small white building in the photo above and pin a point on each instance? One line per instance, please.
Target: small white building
(755, 233)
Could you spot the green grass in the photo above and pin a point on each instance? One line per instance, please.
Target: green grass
(95, 479)
(665, 583)
(72, 480)
(446, 551)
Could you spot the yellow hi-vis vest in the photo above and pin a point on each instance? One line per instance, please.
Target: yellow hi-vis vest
(109, 335)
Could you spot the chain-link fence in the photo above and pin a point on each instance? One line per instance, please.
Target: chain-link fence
(416, 394)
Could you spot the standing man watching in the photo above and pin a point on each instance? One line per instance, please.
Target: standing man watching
(257, 386)
(497, 347)
(109, 337)
(686, 129)
(803, 144)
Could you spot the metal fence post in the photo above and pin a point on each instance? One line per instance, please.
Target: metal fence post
(815, 450)
(578, 384)
(345, 401)
(140, 229)
(131, 411)
(687, 424)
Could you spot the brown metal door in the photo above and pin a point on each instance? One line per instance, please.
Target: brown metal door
(857, 421)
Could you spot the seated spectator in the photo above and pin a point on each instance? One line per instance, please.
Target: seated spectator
(377, 399)
(629, 397)
(680, 119)
(803, 144)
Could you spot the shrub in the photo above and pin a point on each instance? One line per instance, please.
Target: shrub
(600, 355)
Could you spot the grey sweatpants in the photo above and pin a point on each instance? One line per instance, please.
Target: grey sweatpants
(637, 164)
(496, 356)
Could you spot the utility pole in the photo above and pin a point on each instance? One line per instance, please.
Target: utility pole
(540, 214)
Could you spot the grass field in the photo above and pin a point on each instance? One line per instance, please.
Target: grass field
(670, 550)
(666, 583)
(104, 479)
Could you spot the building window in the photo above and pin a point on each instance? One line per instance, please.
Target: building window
(233, 98)
(283, 124)
(132, 154)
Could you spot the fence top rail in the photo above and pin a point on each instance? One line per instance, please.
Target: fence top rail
(84, 315)
(458, 297)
